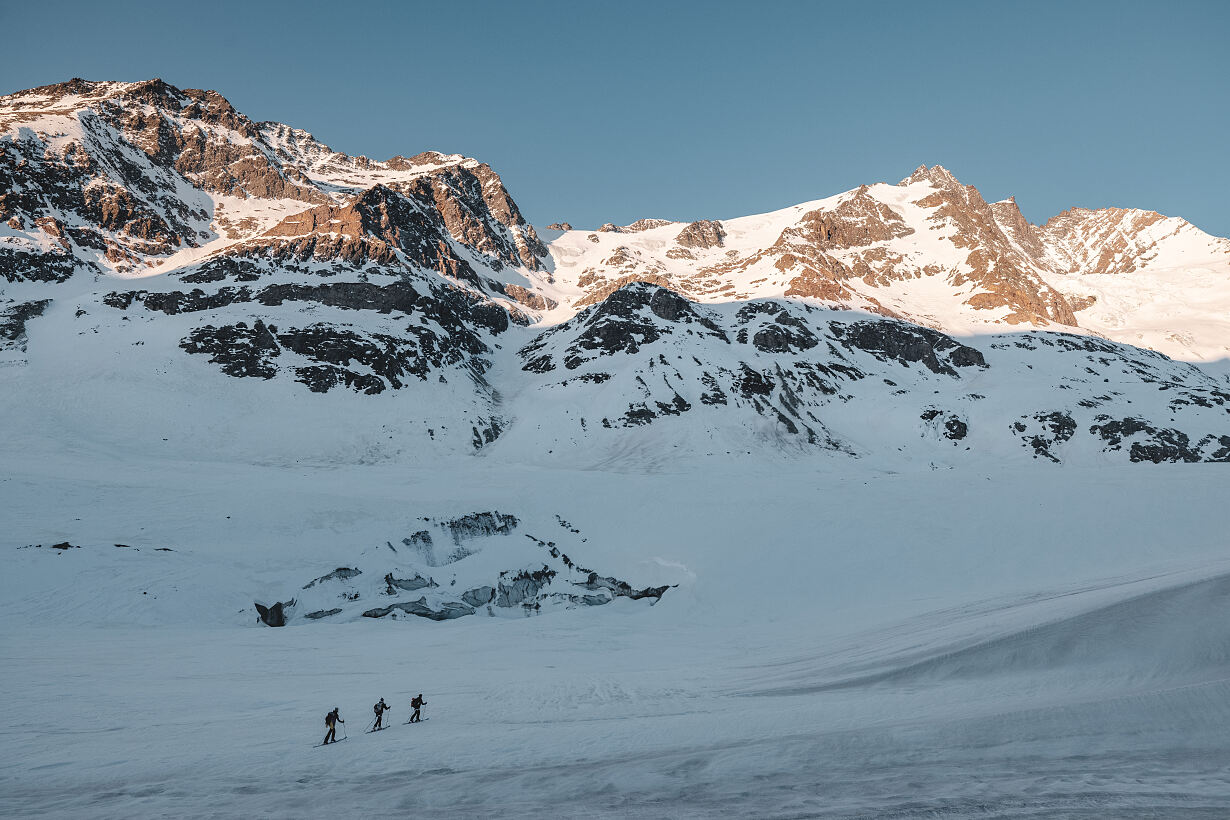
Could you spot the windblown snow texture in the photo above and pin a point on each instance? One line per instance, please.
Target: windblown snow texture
(886, 504)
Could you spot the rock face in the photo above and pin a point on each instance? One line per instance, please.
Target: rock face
(1159, 444)
(339, 574)
(900, 250)
(906, 344)
(274, 615)
(13, 319)
(706, 233)
(246, 259)
(477, 525)
(1045, 432)
(132, 148)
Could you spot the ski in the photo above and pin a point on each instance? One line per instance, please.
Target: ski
(408, 722)
(318, 745)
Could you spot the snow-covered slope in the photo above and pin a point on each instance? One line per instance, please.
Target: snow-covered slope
(889, 503)
(218, 281)
(931, 251)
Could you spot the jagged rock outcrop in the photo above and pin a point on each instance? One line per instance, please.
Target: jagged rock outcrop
(13, 319)
(907, 344)
(275, 614)
(646, 224)
(339, 574)
(704, 233)
(403, 284)
(1156, 444)
(112, 193)
(530, 299)
(1043, 432)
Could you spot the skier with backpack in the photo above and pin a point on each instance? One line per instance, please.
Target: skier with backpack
(380, 708)
(417, 704)
(331, 720)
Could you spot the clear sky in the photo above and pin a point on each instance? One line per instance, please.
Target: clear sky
(611, 111)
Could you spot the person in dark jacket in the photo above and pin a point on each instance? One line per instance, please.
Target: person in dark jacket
(380, 708)
(331, 720)
(417, 704)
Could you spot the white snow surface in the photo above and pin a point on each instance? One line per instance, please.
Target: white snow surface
(907, 627)
(1174, 299)
(988, 642)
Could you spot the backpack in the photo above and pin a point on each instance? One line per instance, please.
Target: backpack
(417, 703)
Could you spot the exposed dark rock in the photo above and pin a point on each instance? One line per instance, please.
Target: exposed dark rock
(779, 339)
(321, 613)
(238, 349)
(530, 299)
(955, 429)
(705, 233)
(1058, 427)
(390, 359)
(1159, 444)
(422, 538)
(485, 434)
(950, 425)
(477, 525)
(889, 340)
(1222, 451)
(752, 383)
(623, 322)
(13, 319)
(542, 364)
(174, 302)
(274, 615)
(339, 574)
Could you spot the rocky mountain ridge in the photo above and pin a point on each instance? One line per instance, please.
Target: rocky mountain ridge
(212, 266)
(932, 251)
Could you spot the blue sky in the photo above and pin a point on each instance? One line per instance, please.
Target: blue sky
(614, 111)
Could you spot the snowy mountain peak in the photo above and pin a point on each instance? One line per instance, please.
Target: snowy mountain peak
(180, 237)
(936, 175)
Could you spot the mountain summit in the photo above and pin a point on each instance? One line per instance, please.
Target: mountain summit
(213, 281)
